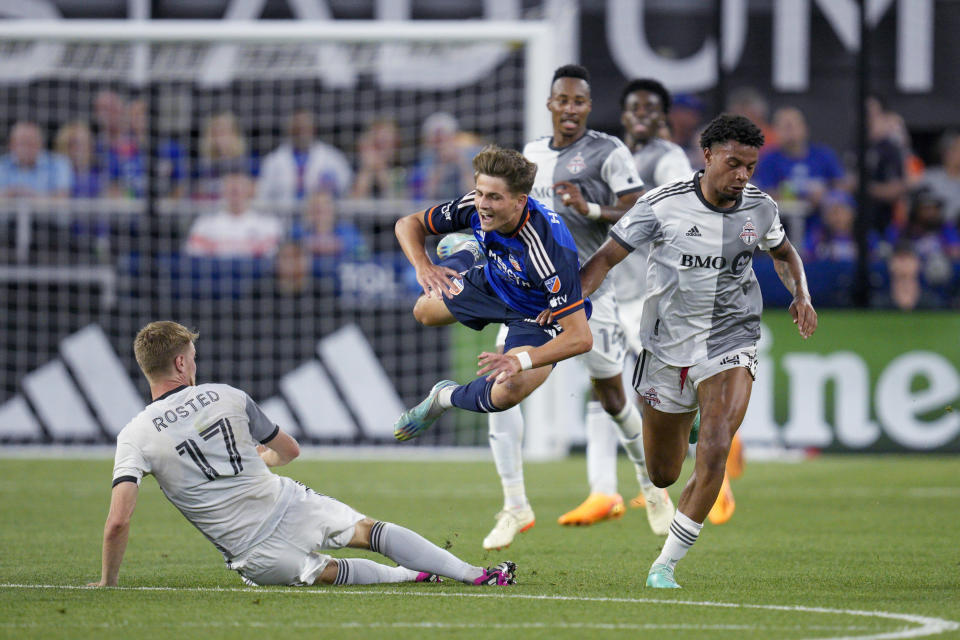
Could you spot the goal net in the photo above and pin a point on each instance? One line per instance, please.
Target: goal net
(242, 179)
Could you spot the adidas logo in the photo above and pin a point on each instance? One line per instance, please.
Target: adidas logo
(694, 232)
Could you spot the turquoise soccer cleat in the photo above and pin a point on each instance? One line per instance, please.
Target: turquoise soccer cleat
(414, 421)
(695, 429)
(661, 577)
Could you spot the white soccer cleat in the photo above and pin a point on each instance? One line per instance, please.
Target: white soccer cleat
(510, 522)
(454, 242)
(659, 510)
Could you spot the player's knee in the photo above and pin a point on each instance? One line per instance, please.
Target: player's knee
(611, 396)
(361, 534)
(329, 573)
(662, 475)
(421, 311)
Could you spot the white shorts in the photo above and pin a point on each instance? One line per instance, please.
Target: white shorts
(630, 313)
(291, 555)
(674, 389)
(605, 359)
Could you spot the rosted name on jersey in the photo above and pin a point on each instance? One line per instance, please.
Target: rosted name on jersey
(170, 416)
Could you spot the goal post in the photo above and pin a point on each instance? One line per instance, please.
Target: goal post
(118, 250)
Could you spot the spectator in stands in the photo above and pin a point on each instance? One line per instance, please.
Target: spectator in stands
(27, 170)
(935, 242)
(75, 142)
(445, 168)
(292, 269)
(944, 181)
(886, 186)
(379, 174)
(834, 241)
(906, 291)
(236, 231)
(796, 173)
(685, 119)
(303, 165)
(223, 151)
(170, 160)
(750, 103)
(322, 234)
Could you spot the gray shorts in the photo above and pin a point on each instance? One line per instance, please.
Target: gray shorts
(674, 389)
(292, 554)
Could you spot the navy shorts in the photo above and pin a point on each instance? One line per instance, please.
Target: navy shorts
(478, 305)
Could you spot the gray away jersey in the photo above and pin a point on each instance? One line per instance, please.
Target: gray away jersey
(658, 162)
(600, 165)
(200, 444)
(703, 298)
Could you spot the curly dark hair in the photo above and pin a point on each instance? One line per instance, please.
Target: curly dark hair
(650, 85)
(571, 71)
(726, 127)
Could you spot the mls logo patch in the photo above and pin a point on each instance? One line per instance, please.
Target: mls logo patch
(457, 285)
(515, 263)
(552, 284)
(749, 233)
(576, 164)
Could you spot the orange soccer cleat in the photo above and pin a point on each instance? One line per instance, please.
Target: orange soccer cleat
(723, 508)
(735, 461)
(596, 508)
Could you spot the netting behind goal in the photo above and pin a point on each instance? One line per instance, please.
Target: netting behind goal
(247, 189)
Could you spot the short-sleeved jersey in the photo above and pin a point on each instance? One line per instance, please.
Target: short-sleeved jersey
(658, 162)
(199, 442)
(599, 164)
(703, 298)
(532, 268)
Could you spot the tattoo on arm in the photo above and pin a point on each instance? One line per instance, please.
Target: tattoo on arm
(782, 268)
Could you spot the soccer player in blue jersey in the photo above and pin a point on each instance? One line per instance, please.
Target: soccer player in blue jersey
(531, 265)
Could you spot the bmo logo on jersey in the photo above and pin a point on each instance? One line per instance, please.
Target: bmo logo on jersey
(737, 265)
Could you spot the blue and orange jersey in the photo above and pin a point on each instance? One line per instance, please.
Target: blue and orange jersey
(532, 268)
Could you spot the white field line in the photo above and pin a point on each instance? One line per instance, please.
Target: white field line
(927, 626)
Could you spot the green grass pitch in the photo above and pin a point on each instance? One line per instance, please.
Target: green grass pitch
(837, 547)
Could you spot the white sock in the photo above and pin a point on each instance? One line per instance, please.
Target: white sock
(409, 549)
(506, 438)
(443, 397)
(362, 571)
(631, 435)
(601, 450)
(683, 533)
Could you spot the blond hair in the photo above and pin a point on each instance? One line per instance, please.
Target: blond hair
(68, 132)
(236, 145)
(158, 344)
(507, 164)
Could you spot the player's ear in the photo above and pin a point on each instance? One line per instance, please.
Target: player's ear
(707, 155)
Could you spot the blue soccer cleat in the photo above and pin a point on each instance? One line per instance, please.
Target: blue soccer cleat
(695, 429)
(414, 421)
(661, 577)
(454, 242)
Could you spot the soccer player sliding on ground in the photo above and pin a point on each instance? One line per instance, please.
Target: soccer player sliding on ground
(209, 446)
(531, 264)
(701, 319)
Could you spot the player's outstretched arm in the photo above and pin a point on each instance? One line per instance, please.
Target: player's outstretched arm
(572, 197)
(279, 450)
(116, 532)
(411, 234)
(573, 340)
(789, 267)
(610, 254)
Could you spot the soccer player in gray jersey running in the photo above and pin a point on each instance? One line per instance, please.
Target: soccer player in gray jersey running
(701, 320)
(589, 179)
(209, 446)
(644, 105)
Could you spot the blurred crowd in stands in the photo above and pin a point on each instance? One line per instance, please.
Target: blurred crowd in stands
(913, 210)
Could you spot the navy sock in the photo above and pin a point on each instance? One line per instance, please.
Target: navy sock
(474, 396)
(460, 261)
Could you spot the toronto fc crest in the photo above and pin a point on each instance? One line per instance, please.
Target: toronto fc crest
(576, 164)
(749, 233)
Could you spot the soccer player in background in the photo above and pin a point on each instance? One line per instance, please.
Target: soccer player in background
(701, 320)
(590, 179)
(531, 265)
(209, 446)
(644, 105)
